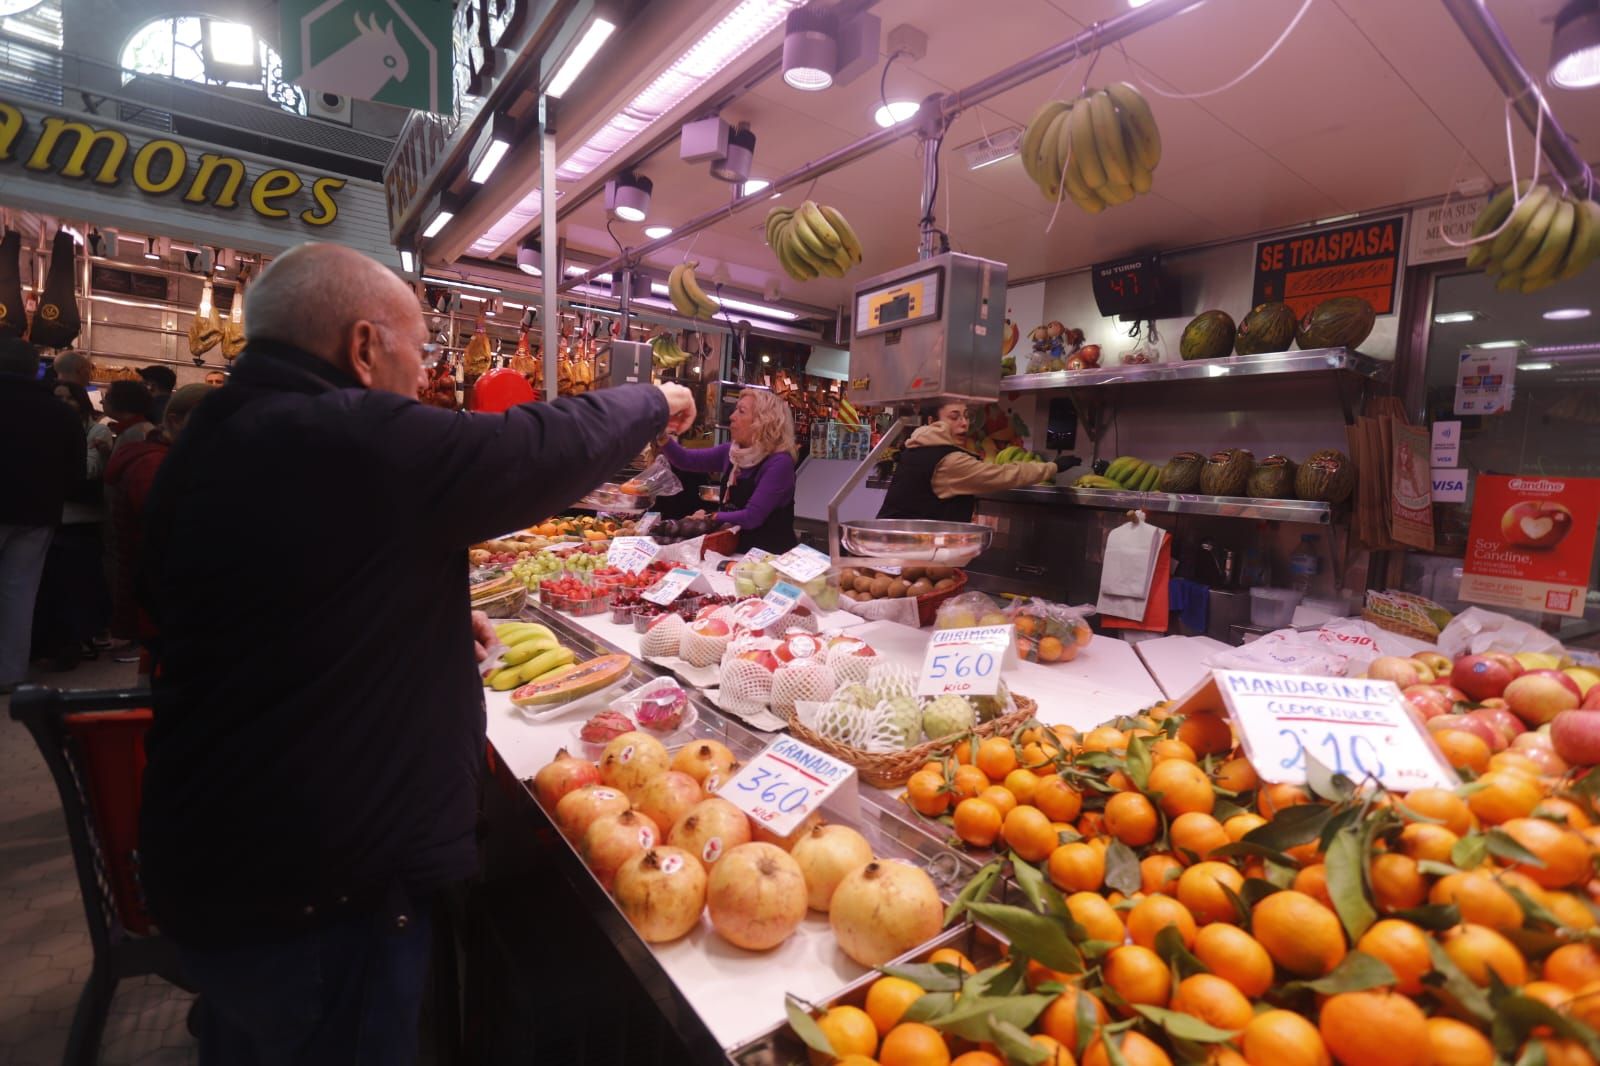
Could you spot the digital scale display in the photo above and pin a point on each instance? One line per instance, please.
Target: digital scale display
(904, 302)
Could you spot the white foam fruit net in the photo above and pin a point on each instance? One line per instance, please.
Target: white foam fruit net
(698, 649)
(869, 729)
(848, 667)
(663, 638)
(889, 681)
(746, 686)
(805, 680)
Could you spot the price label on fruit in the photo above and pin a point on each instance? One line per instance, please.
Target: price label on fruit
(802, 563)
(755, 555)
(631, 554)
(675, 583)
(774, 605)
(967, 662)
(1360, 728)
(786, 784)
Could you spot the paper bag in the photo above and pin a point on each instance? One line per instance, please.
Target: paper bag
(1130, 564)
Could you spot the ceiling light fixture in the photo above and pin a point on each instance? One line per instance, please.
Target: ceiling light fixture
(1536, 366)
(1498, 344)
(987, 151)
(895, 112)
(439, 221)
(810, 49)
(741, 156)
(589, 40)
(1575, 48)
(1137, 3)
(753, 186)
(1331, 219)
(497, 138)
(655, 233)
(1567, 314)
(628, 196)
(528, 257)
(763, 310)
(408, 261)
(1451, 318)
(457, 284)
(151, 248)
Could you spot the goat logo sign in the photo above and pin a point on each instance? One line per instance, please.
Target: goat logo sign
(392, 51)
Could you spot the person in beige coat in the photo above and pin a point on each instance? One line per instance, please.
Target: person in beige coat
(938, 475)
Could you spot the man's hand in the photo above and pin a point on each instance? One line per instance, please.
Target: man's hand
(482, 634)
(680, 407)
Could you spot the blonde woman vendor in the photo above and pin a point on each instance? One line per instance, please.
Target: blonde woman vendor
(757, 467)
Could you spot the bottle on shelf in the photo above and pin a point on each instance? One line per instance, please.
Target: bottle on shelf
(1305, 563)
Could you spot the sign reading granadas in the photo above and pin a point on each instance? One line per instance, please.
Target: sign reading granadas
(72, 148)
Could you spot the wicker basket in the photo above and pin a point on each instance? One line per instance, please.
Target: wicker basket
(928, 605)
(723, 542)
(894, 768)
(1394, 625)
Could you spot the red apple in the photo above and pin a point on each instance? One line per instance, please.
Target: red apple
(1403, 672)
(1575, 736)
(853, 645)
(1480, 676)
(710, 627)
(1465, 724)
(1550, 763)
(1435, 661)
(1503, 721)
(1510, 662)
(1536, 524)
(762, 657)
(1429, 701)
(798, 646)
(1591, 699)
(1500, 740)
(1539, 695)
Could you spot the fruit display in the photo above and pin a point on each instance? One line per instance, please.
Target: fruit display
(683, 288)
(582, 527)
(1182, 473)
(1272, 479)
(1227, 472)
(1104, 147)
(1326, 475)
(1171, 907)
(861, 584)
(1124, 472)
(665, 352)
(675, 530)
(1209, 335)
(1342, 322)
(1269, 327)
(883, 714)
(1544, 238)
(1049, 632)
(532, 653)
(1015, 453)
(812, 239)
(1058, 347)
(497, 592)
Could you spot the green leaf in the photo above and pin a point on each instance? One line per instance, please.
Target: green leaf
(1533, 1055)
(1088, 1020)
(806, 1027)
(1038, 936)
(1241, 909)
(978, 889)
(929, 1005)
(1122, 868)
(1434, 917)
(1225, 809)
(1292, 827)
(1114, 1056)
(1280, 876)
(1455, 987)
(1000, 980)
(1169, 945)
(1356, 973)
(1532, 908)
(1185, 1026)
(1342, 818)
(1502, 845)
(1517, 1015)
(1256, 890)
(1014, 1044)
(1139, 763)
(1324, 782)
(1469, 852)
(1245, 848)
(1534, 943)
(1044, 896)
(1437, 869)
(972, 1016)
(929, 976)
(1347, 882)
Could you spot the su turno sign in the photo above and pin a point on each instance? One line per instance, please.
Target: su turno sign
(76, 150)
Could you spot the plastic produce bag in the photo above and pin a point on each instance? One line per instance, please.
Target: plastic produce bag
(1475, 631)
(1050, 632)
(967, 610)
(657, 479)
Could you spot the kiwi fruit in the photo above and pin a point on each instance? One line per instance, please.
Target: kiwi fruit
(920, 587)
(911, 573)
(898, 587)
(880, 586)
(944, 583)
(863, 583)
(847, 578)
(940, 573)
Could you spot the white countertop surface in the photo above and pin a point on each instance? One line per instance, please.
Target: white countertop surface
(1175, 662)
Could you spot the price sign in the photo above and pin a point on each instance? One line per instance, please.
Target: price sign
(647, 522)
(802, 563)
(774, 605)
(967, 662)
(755, 555)
(631, 554)
(785, 784)
(1358, 728)
(674, 584)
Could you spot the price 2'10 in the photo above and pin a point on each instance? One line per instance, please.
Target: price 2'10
(1353, 756)
(773, 788)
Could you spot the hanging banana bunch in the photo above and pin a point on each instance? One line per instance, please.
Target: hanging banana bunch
(812, 239)
(665, 352)
(1105, 146)
(1544, 238)
(687, 295)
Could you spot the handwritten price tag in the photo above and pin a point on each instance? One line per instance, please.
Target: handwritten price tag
(755, 555)
(631, 554)
(1358, 728)
(674, 584)
(785, 784)
(774, 605)
(802, 563)
(967, 662)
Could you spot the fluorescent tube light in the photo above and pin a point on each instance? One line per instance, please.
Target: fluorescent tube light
(1567, 314)
(1499, 344)
(491, 158)
(1451, 318)
(596, 35)
(408, 260)
(437, 223)
(764, 310)
(1536, 366)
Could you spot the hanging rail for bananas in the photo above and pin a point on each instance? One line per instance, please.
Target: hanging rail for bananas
(1489, 41)
(948, 106)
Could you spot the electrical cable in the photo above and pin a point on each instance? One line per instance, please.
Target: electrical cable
(883, 80)
(1284, 36)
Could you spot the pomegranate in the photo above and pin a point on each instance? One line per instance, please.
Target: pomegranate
(668, 797)
(761, 833)
(884, 909)
(631, 760)
(578, 809)
(1575, 737)
(756, 896)
(703, 760)
(711, 829)
(662, 892)
(562, 775)
(825, 855)
(613, 839)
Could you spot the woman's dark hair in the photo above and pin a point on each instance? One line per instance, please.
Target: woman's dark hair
(128, 398)
(80, 399)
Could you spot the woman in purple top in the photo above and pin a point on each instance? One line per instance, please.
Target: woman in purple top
(757, 468)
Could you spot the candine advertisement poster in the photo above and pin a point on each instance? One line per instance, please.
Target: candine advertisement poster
(1531, 542)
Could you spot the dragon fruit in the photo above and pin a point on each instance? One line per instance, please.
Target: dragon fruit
(605, 727)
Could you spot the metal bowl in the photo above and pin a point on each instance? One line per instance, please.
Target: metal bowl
(610, 497)
(917, 539)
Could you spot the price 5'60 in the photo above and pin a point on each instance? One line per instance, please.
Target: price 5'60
(958, 664)
(773, 788)
(1354, 756)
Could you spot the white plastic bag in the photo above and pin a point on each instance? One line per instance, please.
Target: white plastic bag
(1475, 631)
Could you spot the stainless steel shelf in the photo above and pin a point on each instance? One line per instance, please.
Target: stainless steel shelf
(1234, 366)
(1310, 512)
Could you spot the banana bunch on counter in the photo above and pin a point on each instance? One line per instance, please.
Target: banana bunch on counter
(665, 352)
(812, 239)
(1016, 454)
(1546, 237)
(687, 295)
(532, 653)
(1105, 146)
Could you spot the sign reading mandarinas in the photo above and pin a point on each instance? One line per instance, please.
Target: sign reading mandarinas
(1361, 259)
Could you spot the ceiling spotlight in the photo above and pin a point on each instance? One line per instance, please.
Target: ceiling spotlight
(753, 186)
(655, 233)
(528, 257)
(628, 196)
(810, 49)
(225, 260)
(1567, 314)
(1575, 50)
(151, 248)
(735, 166)
(895, 112)
(492, 306)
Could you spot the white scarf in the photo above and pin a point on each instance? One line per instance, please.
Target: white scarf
(745, 457)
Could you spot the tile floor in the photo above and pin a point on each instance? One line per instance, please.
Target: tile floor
(44, 946)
